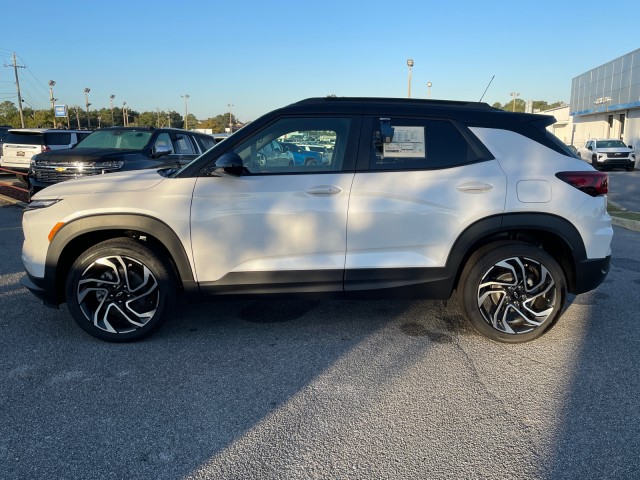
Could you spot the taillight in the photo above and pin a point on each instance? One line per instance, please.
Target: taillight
(45, 148)
(591, 183)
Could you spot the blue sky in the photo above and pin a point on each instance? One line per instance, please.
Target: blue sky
(260, 55)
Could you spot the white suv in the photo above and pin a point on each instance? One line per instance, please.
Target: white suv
(604, 153)
(21, 144)
(421, 198)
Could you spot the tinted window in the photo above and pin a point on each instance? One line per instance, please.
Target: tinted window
(57, 138)
(205, 143)
(183, 145)
(422, 145)
(24, 138)
(164, 140)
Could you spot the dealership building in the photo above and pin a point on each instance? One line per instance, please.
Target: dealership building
(605, 103)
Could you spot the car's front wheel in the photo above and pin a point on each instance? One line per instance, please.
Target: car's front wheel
(512, 292)
(120, 291)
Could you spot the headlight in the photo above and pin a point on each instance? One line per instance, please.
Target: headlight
(115, 164)
(35, 204)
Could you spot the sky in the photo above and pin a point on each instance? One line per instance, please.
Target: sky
(261, 55)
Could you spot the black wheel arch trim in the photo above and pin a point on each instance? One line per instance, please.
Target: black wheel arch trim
(500, 226)
(143, 224)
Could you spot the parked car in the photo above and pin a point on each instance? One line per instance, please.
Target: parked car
(4, 131)
(118, 149)
(423, 198)
(21, 144)
(302, 156)
(603, 153)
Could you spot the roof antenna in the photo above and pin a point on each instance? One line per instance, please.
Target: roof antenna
(485, 90)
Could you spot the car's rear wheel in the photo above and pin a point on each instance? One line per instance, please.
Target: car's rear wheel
(512, 292)
(631, 168)
(120, 291)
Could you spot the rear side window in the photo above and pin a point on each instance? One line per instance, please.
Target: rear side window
(205, 143)
(57, 138)
(24, 138)
(421, 144)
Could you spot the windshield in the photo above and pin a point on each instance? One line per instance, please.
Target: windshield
(119, 139)
(611, 144)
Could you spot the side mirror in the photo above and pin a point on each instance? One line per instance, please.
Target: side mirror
(590, 148)
(228, 165)
(161, 150)
(630, 146)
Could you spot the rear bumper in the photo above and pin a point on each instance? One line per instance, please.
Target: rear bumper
(590, 274)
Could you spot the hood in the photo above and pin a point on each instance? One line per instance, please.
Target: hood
(84, 155)
(129, 181)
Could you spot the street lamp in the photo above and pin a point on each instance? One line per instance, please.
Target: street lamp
(111, 97)
(186, 111)
(86, 98)
(125, 115)
(514, 95)
(410, 65)
(429, 85)
(230, 122)
(52, 84)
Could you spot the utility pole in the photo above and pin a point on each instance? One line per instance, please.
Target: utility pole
(230, 121)
(111, 103)
(186, 111)
(52, 84)
(86, 98)
(15, 71)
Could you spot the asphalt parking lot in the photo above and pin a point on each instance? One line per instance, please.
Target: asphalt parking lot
(320, 389)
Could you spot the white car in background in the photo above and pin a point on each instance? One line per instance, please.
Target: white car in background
(603, 153)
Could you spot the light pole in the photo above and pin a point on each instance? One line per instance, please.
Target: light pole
(514, 95)
(52, 84)
(186, 111)
(125, 115)
(86, 99)
(230, 121)
(111, 97)
(429, 85)
(410, 65)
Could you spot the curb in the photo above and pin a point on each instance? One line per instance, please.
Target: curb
(623, 222)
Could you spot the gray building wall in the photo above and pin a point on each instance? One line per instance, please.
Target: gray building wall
(605, 101)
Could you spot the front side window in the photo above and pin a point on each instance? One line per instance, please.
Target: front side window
(183, 145)
(421, 144)
(164, 140)
(297, 145)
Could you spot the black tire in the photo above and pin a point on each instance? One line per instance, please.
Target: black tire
(594, 163)
(631, 168)
(512, 292)
(23, 179)
(120, 291)
(310, 161)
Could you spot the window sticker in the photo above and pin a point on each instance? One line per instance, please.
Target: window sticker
(408, 142)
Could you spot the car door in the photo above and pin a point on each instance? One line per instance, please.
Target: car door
(413, 198)
(278, 226)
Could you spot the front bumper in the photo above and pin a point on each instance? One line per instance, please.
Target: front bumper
(39, 289)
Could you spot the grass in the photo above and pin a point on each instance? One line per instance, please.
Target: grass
(616, 211)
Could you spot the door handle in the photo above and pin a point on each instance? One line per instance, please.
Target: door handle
(324, 190)
(475, 187)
